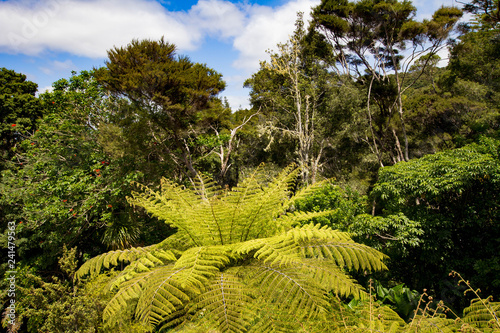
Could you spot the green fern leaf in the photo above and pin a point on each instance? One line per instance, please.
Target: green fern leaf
(483, 313)
(93, 266)
(290, 288)
(162, 294)
(126, 297)
(202, 263)
(331, 244)
(272, 317)
(332, 278)
(225, 301)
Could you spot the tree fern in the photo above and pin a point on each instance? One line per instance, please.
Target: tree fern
(237, 260)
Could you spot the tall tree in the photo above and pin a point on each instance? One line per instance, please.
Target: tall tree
(171, 97)
(487, 12)
(292, 89)
(369, 37)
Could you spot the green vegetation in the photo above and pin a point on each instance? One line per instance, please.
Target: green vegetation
(132, 199)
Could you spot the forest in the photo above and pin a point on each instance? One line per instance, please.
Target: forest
(363, 183)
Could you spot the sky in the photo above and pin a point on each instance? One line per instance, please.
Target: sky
(48, 39)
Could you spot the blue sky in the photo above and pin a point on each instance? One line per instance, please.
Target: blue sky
(47, 39)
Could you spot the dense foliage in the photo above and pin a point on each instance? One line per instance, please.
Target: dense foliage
(398, 166)
(454, 196)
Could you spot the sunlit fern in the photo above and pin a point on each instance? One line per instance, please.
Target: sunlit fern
(235, 255)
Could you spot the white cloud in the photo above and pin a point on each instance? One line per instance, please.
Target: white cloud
(266, 28)
(86, 28)
(45, 89)
(218, 18)
(90, 28)
(238, 101)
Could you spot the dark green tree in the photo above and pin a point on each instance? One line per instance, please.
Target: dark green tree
(170, 101)
(487, 12)
(19, 110)
(475, 61)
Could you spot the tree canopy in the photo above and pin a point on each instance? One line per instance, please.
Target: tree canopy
(170, 97)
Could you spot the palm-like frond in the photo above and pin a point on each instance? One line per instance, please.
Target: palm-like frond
(291, 289)
(202, 263)
(333, 278)
(229, 243)
(323, 242)
(164, 294)
(314, 241)
(249, 210)
(272, 317)
(176, 206)
(146, 256)
(227, 300)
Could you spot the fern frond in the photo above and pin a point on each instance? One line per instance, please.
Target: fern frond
(483, 313)
(225, 301)
(332, 278)
(141, 265)
(177, 243)
(126, 297)
(152, 257)
(271, 317)
(163, 295)
(202, 263)
(323, 242)
(291, 249)
(271, 250)
(258, 206)
(173, 204)
(290, 288)
(206, 187)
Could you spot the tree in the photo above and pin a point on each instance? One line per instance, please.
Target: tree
(62, 187)
(487, 12)
(19, 110)
(367, 39)
(171, 98)
(292, 88)
(474, 60)
(235, 260)
(454, 196)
